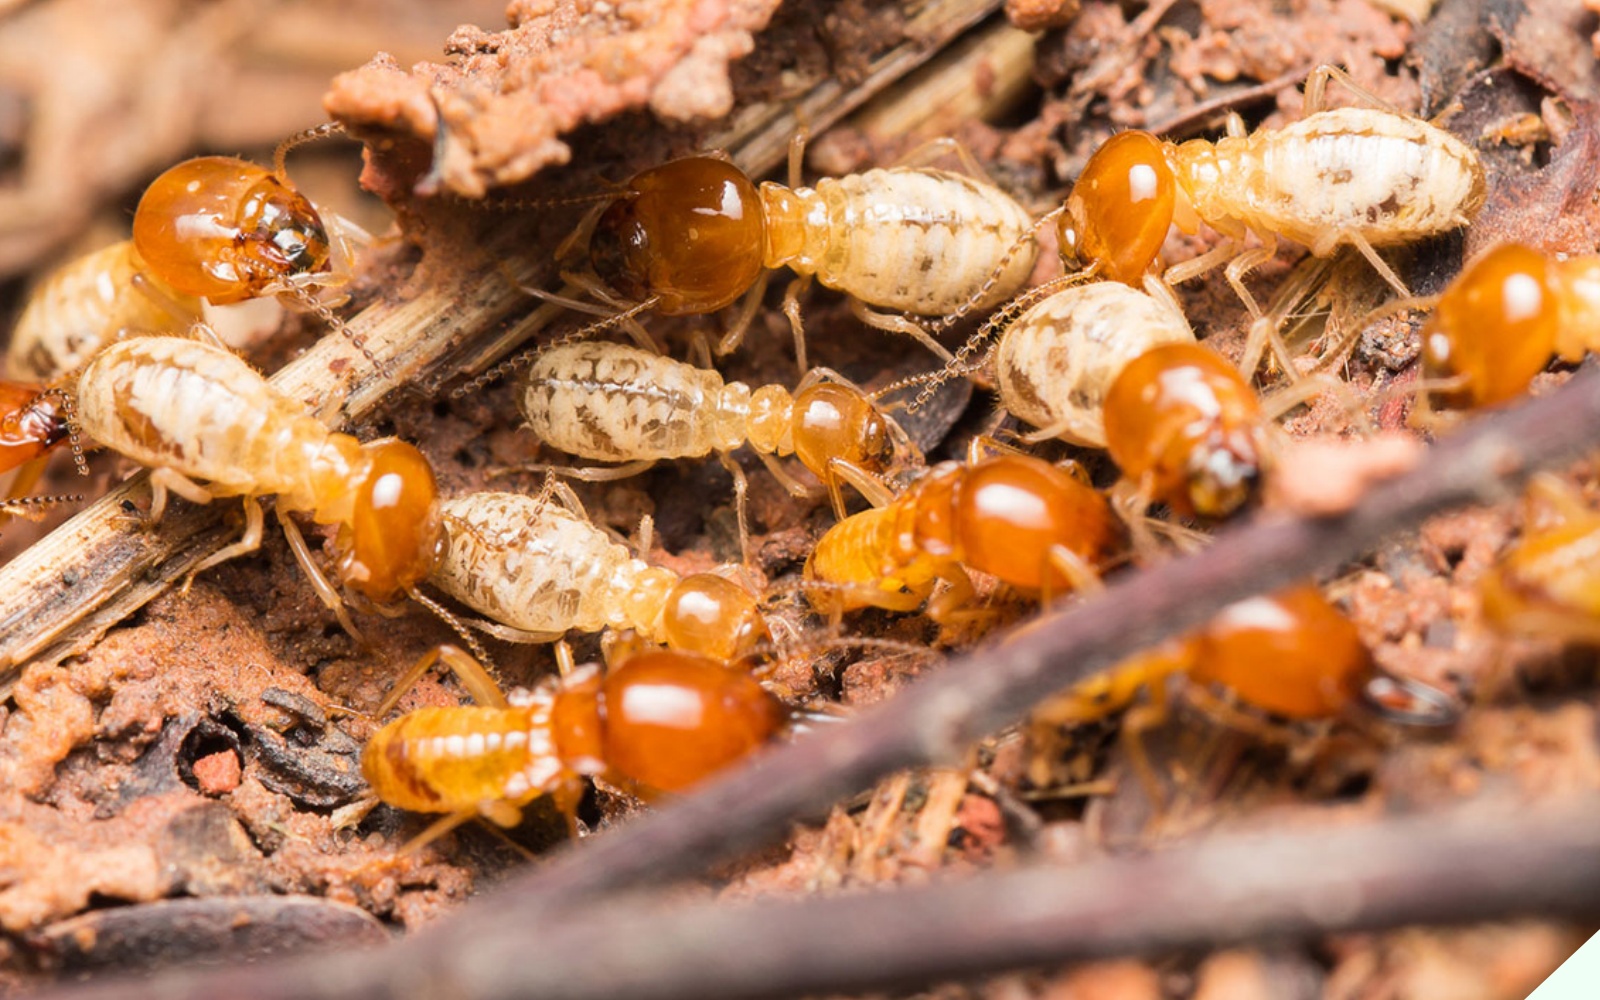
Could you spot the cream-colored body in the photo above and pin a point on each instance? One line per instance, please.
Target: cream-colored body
(913, 240)
(538, 567)
(89, 302)
(616, 403)
(1055, 363)
(1332, 178)
(201, 412)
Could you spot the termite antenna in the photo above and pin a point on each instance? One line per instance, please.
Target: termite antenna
(8, 504)
(458, 627)
(309, 299)
(69, 410)
(517, 362)
(280, 156)
(995, 274)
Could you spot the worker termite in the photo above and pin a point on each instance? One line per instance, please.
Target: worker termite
(1365, 177)
(1546, 584)
(611, 402)
(1291, 655)
(214, 227)
(1499, 322)
(1021, 519)
(694, 235)
(537, 568)
(660, 721)
(1054, 364)
(190, 411)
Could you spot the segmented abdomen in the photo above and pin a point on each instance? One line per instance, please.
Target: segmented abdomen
(451, 759)
(534, 566)
(616, 403)
(867, 552)
(1391, 178)
(83, 305)
(1055, 363)
(918, 241)
(199, 410)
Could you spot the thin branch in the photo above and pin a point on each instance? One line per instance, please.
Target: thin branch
(935, 720)
(1475, 862)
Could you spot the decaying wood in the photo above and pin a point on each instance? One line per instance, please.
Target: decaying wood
(66, 590)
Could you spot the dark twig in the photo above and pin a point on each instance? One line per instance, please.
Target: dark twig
(1468, 863)
(933, 721)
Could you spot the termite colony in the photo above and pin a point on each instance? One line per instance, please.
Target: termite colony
(1122, 435)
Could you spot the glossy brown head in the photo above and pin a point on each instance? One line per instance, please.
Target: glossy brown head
(393, 539)
(1291, 653)
(1119, 210)
(31, 423)
(1181, 422)
(671, 719)
(1494, 328)
(227, 230)
(689, 233)
(1013, 510)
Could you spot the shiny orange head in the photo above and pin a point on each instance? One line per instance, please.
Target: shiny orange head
(1291, 653)
(1119, 210)
(227, 229)
(31, 423)
(671, 719)
(1494, 328)
(689, 233)
(1182, 423)
(1013, 511)
(393, 538)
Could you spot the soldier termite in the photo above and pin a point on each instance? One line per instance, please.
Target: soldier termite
(660, 721)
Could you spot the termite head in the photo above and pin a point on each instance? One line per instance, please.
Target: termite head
(1493, 330)
(836, 421)
(1180, 421)
(689, 234)
(227, 230)
(392, 540)
(1119, 210)
(664, 720)
(1291, 653)
(32, 421)
(711, 615)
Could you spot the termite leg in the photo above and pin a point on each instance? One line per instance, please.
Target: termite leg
(247, 543)
(162, 480)
(326, 592)
(899, 324)
(480, 684)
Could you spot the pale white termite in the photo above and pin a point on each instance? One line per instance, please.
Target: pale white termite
(538, 568)
(87, 302)
(695, 234)
(616, 403)
(1054, 364)
(1365, 177)
(191, 410)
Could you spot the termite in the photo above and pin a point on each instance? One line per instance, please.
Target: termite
(612, 402)
(214, 227)
(1291, 655)
(1021, 519)
(660, 721)
(1547, 583)
(693, 235)
(536, 567)
(1501, 320)
(1364, 177)
(34, 419)
(190, 410)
